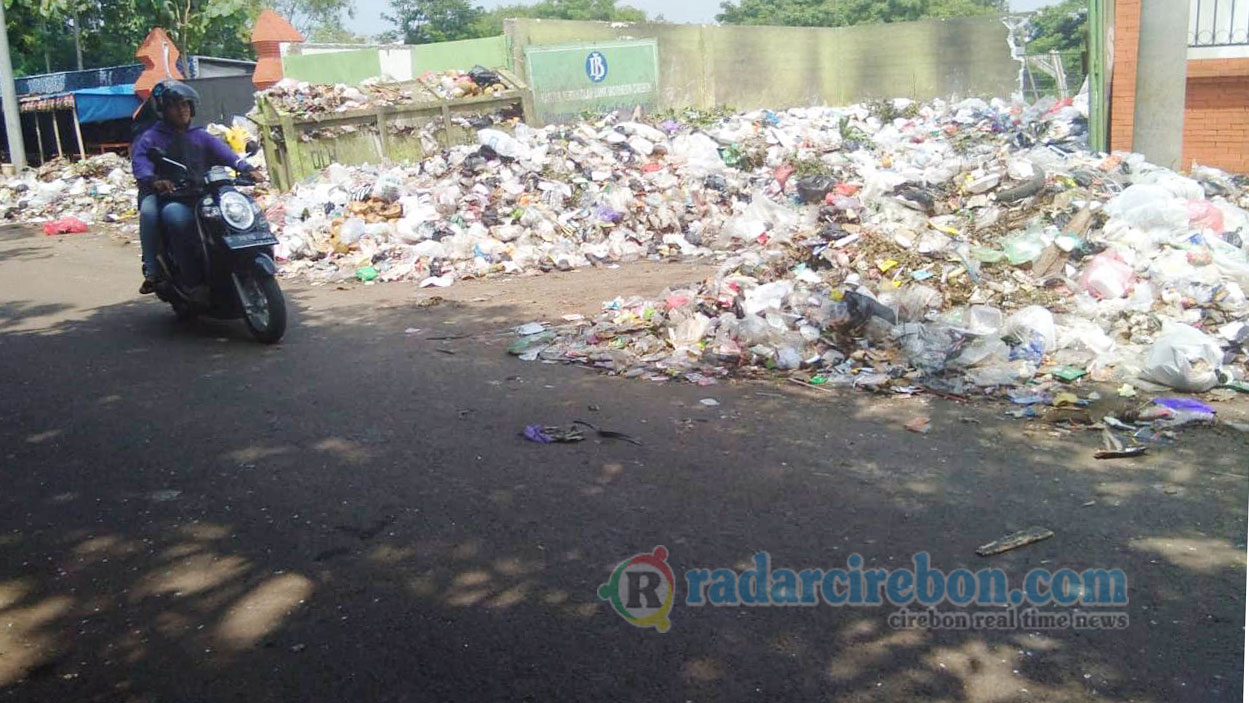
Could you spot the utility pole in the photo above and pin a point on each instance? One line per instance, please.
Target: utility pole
(1161, 82)
(12, 118)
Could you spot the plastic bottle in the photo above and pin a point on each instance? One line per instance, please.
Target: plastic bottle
(502, 143)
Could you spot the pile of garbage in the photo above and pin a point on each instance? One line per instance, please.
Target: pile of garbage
(303, 99)
(554, 198)
(951, 248)
(459, 84)
(97, 189)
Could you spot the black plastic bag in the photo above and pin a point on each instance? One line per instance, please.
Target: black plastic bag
(484, 77)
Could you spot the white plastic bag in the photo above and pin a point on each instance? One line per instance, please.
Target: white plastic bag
(698, 154)
(769, 296)
(1032, 320)
(689, 331)
(1184, 358)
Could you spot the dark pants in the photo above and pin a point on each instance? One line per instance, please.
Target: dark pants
(177, 220)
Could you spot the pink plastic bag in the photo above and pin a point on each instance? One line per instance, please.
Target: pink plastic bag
(65, 225)
(1107, 276)
(1202, 214)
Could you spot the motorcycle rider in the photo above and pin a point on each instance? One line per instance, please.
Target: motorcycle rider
(184, 143)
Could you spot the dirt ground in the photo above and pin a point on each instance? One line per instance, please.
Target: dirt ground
(351, 515)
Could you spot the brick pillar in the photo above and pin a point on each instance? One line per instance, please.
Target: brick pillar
(1123, 80)
(267, 36)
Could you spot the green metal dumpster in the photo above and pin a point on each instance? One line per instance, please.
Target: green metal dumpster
(298, 147)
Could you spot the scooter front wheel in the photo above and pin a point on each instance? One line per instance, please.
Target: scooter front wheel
(264, 308)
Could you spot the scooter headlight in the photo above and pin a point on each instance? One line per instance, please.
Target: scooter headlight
(237, 210)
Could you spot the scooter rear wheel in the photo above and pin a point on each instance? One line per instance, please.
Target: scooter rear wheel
(265, 309)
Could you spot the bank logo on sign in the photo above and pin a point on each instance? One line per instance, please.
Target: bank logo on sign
(642, 589)
(596, 66)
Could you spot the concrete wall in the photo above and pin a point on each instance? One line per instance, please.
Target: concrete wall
(352, 63)
(749, 67)
(490, 52)
(337, 67)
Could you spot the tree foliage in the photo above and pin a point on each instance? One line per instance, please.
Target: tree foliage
(316, 18)
(1061, 27)
(491, 23)
(840, 13)
(41, 32)
(428, 21)
(423, 21)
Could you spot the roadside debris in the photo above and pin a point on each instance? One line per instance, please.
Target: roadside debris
(552, 435)
(99, 189)
(919, 425)
(1114, 449)
(609, 434)
(959, 249)
(65, 225)
(1014, 541)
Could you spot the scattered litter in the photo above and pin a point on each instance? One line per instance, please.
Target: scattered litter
(709, 402)
(70, 196)
(1014, 541)
(66, 225)
(1068, 373)
(609, 434)
(530, 328)
(920, 425)
(1184, 405)
(1121, 453)
(550, 435)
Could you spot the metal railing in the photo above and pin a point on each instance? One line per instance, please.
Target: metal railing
(1058, 73)
(1218, 23)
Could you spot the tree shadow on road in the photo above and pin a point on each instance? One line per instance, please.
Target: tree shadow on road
(351, 515)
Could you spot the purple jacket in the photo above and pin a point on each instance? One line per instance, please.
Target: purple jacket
(211, 150)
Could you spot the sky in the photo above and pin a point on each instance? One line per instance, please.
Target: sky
(368, 19)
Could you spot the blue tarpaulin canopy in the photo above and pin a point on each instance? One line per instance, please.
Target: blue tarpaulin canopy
(112, 102)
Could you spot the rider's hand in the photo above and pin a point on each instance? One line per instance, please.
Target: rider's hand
(256, 175)
(163, 186)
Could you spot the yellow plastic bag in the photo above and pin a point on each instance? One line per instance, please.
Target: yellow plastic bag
(237, 138)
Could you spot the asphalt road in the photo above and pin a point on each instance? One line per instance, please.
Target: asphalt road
(188, 516)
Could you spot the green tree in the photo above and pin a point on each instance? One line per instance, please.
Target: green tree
(321, 20)
(335, 34)
(429, 21)
(840, 13)
(41, 32)
(1061, 27)
(491, 23)
(35, 42)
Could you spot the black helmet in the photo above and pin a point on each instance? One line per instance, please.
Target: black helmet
(170, 91)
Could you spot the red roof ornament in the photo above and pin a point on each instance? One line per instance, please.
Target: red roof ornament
(160, 61)
(270, 32)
